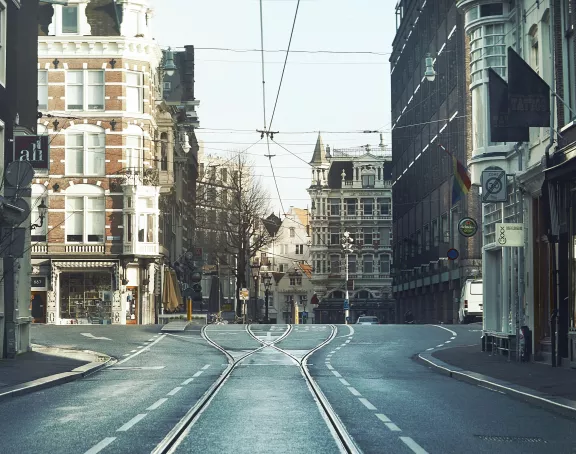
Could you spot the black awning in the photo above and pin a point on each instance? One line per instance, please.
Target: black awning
(564, 171)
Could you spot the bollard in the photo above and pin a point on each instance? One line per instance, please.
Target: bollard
(189, 309)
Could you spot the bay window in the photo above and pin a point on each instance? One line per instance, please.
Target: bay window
(146, 220)
(43, 90)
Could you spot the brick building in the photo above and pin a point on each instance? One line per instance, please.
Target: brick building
(99, 89)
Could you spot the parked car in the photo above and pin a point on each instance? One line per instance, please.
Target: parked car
(367, 320)
(471, 301)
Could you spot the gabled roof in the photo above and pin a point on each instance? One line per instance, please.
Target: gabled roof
(306, 269)
(319, 156)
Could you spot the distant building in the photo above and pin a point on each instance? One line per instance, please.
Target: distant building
(351, 191)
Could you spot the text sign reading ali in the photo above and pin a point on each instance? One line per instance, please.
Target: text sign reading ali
(33, 149)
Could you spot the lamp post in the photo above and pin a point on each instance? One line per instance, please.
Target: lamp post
(255, 267)
(267, 278)
(42, 211)
(429, 73)
(347, 242)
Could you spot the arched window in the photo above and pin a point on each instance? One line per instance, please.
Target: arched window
(40, 231)
(85, 150)
(85, 214)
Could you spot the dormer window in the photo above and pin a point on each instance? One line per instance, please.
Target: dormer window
(368, 181)
(70, 19)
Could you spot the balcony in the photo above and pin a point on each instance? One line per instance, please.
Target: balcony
(40, 249)
(141, 249)
(137, 176)
(84, 248)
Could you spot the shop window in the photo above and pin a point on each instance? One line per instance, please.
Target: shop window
(86, 297)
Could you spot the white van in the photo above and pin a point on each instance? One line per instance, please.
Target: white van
(471, 301)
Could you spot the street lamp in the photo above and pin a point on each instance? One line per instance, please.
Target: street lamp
(429, 73)
(42, 211)
(255, 267)
(267, 278)
(347, 242)
(169, 65)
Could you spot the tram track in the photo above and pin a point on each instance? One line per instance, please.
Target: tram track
(179, 432)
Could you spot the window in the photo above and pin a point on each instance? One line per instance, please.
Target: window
(334, 207)
(491, 9)
(334, 236)
(368, 181)
(335, 264)
(435, 232)
(368, 236)
(43, 90)
(385, 236)
(368, 207)
(534, 57)
(167, 86)
(385, 206)
(146, 221)
(295, 281)
(70, 19)
(85, 153)
(85, 219)
(351, 207)
(134, 92)
(384, 264)
(164, 151)
(368, 265)
(292, 232)
(224, 174)
(282, 267)
(419, 242)
(426, 237)
(568, 61)
(3, 14)
(85, 90)
(134, 152)
(444, 229)
(299, 249)
(352, 268)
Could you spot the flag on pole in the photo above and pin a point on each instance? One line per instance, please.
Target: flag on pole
(461, 183)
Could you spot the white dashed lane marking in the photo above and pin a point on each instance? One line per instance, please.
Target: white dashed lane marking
(206, 367)
(382, 417)
(393, 427)
(329, 366)
(415, 447)
(157, 404)
(367, 403)
(354, 391)
(174, 391)
(135, 420)
(336, 374)
(197, 374)
(187, 381)
(100, 446)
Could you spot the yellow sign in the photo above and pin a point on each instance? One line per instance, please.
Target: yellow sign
(244, 294)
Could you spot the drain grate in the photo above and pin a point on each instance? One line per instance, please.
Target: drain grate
(506, 439)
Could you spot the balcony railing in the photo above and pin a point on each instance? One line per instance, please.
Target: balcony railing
(84, 248)
(142, 249)
(40, 249)
(137, 176)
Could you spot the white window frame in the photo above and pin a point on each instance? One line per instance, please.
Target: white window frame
(139, 87)
(85, 85)
(85, 154)
(77, 8)
(44, 86)
(365, 261)
(3, 38)
(84, 217)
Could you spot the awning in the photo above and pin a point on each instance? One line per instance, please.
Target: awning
(562, 170)
(171, 297)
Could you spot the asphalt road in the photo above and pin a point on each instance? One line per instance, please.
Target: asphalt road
(387, 401)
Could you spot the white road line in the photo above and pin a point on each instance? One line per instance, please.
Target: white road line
(100, 446)
(139, 346)
(206, 367)
(140, 351)
(428, 349)
(329, 366)
(133, 351)
(156, 404)
(382, 417)
(338, 348)
(449, 330)
(132, 422)
(343, 345)
(447, 342)
(354, 391)
(439, 345)
(347, 342)
(197, 374)
(151, 340)
(490, 389)
(174, 391)
(187, 381)
(453, 337)
(336, 374)
(415, 447)
(393, 427)
(344, 382)
(351, 330)
(126, 354)
(367, 403)
(332, 352)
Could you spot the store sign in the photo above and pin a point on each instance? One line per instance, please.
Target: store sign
(38, 282)
(467, 227)
(510, 234)
(33, 149)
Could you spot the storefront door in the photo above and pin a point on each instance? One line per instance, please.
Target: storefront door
(132, 306)
(38, 306)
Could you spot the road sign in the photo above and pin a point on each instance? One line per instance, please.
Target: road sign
(197, 287)
(452, 254)
(494, 187)
(467, 227)
(346, 305)
(244, 294)
(510, 234)
(197, 252)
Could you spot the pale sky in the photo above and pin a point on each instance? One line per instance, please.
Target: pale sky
(334, 93)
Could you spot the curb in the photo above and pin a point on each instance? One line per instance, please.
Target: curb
(57, 379)
(559, 405)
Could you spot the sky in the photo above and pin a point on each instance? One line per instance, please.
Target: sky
(337, 94)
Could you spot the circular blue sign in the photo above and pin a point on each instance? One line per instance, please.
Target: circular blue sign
(452, 254)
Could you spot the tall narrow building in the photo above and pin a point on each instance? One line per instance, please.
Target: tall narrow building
(351, 191)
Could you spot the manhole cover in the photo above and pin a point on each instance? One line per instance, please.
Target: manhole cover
(507, 439)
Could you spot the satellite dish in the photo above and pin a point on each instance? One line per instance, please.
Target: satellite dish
(19, 173)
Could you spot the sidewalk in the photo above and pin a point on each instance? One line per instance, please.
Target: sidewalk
(549, 387)
(45, 367)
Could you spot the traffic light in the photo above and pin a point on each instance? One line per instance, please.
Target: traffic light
(197, 288)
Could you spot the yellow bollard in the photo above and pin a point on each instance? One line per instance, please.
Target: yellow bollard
(189, 309)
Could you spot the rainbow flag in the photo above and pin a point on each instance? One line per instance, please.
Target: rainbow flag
(461, 184)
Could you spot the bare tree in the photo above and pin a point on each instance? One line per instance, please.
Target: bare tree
(231, 206)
